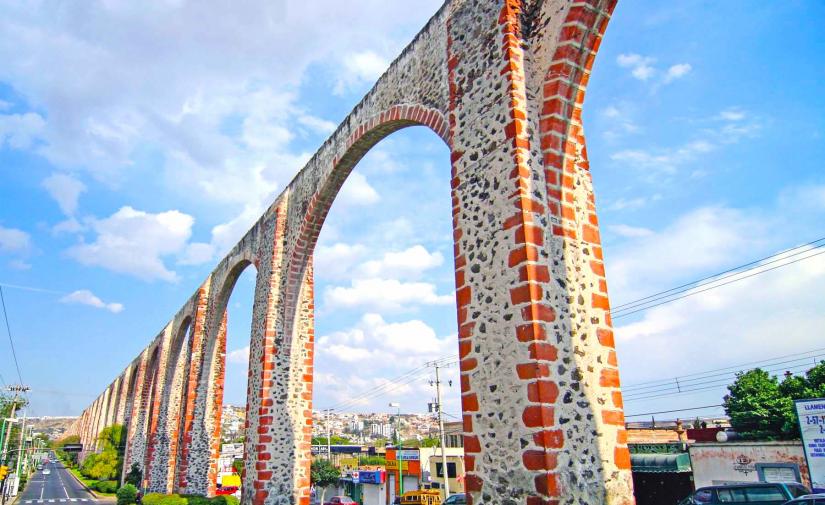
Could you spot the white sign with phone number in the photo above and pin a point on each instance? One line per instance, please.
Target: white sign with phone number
(812, 425)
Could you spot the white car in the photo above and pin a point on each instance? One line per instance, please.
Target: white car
(46, 471)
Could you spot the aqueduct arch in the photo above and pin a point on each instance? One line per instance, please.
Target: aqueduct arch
(503, 83)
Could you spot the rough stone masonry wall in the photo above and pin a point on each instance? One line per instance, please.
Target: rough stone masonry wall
(502, 82)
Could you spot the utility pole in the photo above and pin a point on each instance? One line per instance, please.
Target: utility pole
(441, 431)
(329, 445)
(398, 450)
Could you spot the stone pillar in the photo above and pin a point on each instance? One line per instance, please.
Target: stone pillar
(170, 426)
(543, 417)
(157, 444)
(136, 441)
(263, 437)
(215, 406)
(194, 461)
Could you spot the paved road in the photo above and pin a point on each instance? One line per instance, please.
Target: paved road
(59, 486)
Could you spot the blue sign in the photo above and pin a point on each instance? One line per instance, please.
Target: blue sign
(376, 477)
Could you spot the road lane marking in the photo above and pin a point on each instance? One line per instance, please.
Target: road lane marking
(62, 485)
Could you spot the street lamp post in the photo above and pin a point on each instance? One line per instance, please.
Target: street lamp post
(397, 406)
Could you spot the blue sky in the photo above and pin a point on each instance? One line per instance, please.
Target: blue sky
(138, 143)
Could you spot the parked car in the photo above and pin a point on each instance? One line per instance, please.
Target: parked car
(766, 493)
(808, 499)
(340, 500)
(456, 499)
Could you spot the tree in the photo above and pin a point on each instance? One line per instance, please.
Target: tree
(135, 476)
(126, 495)
(762, 407)
(323, 473)
(333, 440)
(108, 464)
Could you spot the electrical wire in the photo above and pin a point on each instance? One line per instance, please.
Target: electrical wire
(11, 341)
(738, 367)
(392, 385)
(676, 383)
(719, 383)
(691, 292)
(693, 284)
(674, 410)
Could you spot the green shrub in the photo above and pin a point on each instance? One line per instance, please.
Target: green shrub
(196, 499)
(163, 499)
(106, 486)
(226, 499)
(126, 495)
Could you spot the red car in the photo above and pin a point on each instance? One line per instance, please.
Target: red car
(340, 500)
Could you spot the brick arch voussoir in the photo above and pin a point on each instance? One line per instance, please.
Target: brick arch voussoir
(359, 142)
(565, 84)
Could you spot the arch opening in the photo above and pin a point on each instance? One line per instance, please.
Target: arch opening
(388, 206)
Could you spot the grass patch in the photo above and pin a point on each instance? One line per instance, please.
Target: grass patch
(90, 483)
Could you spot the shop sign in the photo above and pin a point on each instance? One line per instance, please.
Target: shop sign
(365, 477)
(811, 414)
(392, 465)
(407, 455)
(744, 464)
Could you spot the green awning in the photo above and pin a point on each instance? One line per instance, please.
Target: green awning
(660, 463)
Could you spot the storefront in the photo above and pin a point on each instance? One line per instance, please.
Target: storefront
(662, 473)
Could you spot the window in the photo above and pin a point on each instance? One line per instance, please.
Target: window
(732, 495)
(798, 490)
(766, 493)
(450, 470)
(703, 496)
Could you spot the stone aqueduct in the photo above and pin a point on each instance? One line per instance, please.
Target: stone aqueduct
(502, 82)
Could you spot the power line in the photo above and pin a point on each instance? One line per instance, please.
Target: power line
(734, 269)
(750, 364)
(674, 410)
(11, 341)
(392, 385)
(679, 382)
(691, 292)
(717, 384)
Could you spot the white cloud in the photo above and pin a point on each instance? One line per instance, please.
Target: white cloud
(18, 264)
(663, 160)
(390, 349)
(86, 297)
(732, 114)
(317, 124)
(13, 240)
(630, 231)
(669, 160)
(19, 131)
(152, 80)
(385, 295)
(407, 263)
(357, 191)
(65, 190)
(618, 121)
(359, 68)
(238, 356)
(641, 66)
(705, 238)
(676, 72)
(135, 242)
(337, 261)
(197, 253)
(746, 316)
